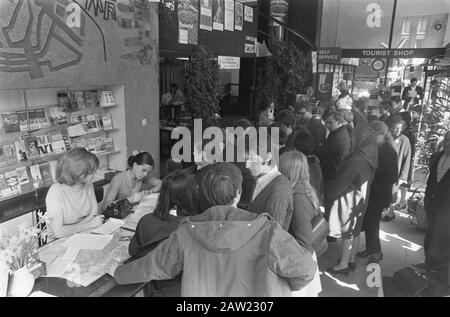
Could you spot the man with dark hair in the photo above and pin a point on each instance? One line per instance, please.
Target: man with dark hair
(312, 122)
(412, 94)
(335, 149)
(225, 251)
(287, 122)
(384, 108)
(272, 192)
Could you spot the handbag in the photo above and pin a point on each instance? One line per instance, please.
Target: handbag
(119, 209)
(320, 229)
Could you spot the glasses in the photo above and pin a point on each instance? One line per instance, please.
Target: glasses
(302, 112)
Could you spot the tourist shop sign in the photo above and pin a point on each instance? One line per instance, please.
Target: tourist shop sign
(393, 53)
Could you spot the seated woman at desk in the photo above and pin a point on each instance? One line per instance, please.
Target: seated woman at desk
(135, 182)
(71, 203)
(177, 199)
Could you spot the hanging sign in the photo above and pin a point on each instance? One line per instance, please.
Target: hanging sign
(229, 62)
(330, 55)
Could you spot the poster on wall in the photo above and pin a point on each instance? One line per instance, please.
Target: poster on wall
(188, 22)
(250, 48)
(206, 15)
(248, 14)
(238, 16)
(325, 86)
(229, 15)
(218, 17)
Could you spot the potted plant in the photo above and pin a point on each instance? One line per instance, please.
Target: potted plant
(201, 81)
(282, 75)
(18, 254)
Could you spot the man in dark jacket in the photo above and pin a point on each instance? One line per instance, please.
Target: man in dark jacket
(336, 147)
(437, 202)
(225, 251)
(412, 94)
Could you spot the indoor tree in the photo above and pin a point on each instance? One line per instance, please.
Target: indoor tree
(201, 81)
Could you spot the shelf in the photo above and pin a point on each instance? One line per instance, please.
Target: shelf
(88, 110)
(91, 134)
(49, 129)
(100, 154)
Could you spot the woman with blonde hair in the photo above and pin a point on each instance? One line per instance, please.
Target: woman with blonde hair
(294, 165)
(71, 203)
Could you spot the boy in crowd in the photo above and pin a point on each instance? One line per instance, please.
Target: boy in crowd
(272, 193)
(225, 251)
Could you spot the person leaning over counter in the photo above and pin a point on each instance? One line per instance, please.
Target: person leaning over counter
(135, 182)
(71, 203)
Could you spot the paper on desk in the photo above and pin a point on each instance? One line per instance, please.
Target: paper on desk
(134, 218)
(109, 227)
(149, 200)
(63, 262)
(88, 241)
(40, 294)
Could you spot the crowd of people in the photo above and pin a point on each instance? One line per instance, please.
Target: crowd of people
(245, 228)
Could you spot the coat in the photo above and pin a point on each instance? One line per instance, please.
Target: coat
(437, 207)
(226, 252)
(304, 213)
(334, 151)
(348, 196)
(150, 231)
(276, 200)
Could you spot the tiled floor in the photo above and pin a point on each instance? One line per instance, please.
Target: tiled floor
(402, 246)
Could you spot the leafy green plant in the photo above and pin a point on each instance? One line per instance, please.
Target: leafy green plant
(201, 81)
(283, 75)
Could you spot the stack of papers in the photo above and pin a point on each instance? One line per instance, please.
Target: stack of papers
(88, 241)
(109, 227)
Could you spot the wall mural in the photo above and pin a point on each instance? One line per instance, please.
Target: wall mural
(36, 33)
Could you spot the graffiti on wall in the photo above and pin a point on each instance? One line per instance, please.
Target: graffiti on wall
(35, 33)
(28, 48)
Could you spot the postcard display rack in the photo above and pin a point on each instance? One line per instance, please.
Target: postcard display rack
(37, 126)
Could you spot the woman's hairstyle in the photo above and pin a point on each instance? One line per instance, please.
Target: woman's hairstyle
(221, 184)
(178, 190)
(141, 159)
(74, 165)
(294, 165)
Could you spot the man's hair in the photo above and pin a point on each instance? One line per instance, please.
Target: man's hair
(174, 86)
(303, 105)
(221, 184)
(385, 105)
(243, 123)
(434, 81)
(304, 142)
(414, 79)
(74, 165)
(287, 118)
(283, 132)
(258, 141)
(339, 116)
(396, 119)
